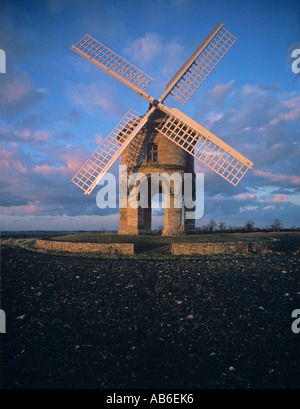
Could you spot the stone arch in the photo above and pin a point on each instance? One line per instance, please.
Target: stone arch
(170, 159)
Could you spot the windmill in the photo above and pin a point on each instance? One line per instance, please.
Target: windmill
(132, 138)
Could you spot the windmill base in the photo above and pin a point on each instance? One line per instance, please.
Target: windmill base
(141, 232)
(138, 222)
(134, 232)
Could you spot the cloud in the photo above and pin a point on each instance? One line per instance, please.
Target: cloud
(244, 196)
(38, 160)
(93, 99)
(99, 138)
(261, 121)
(293, 109)
(39, 184)
(47, 170)
(279, 198)
(26, 135)
(31, 208)
(219, 93)
(145, 48)
(164, 55)
(24, 178)
(248, 208)
(9, 162)
(18, 93)
(285, 180)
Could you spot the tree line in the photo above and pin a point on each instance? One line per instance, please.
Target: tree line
(249, 226)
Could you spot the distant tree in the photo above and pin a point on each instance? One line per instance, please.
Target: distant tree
(221, 226)
(204, 227)
(211, 225)
(276, 225)
(249, 225)
(159, 228)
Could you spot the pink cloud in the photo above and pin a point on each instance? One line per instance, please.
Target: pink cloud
(33, 137)
(74, 164)
(15, 90)
(74, 159)
(6, 210)
(280, 198)
(31, 208)
(8, 161)
(47, 170)
(220, 92)
(91, 97)
(43, 169)
(273, 177)
(293, 106)
(39, 136)
(244, 196)
(18, 92)
(99, 138)
(26, 135)
(19, 210)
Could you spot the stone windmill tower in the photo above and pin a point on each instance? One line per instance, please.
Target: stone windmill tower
(163, 140)
(150, 153)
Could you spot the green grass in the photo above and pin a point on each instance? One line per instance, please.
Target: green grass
(162, 240)
(160, 246)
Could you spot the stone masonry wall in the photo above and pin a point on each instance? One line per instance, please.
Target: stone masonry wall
(177, 248)
(216, 248)
(107, 248)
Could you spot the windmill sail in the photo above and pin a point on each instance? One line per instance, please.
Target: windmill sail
(200, 64)
(176, 126)
(107, 153)
(204, 146)
(113, 64)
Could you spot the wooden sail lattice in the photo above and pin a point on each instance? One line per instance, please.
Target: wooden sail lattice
(200, 64)
(176, 126)
(206, 147)
(112, 63)
(106, 154)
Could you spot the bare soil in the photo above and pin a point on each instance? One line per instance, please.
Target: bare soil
(79, 322)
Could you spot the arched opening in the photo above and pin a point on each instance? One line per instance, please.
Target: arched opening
(157, 213)
(163, 211)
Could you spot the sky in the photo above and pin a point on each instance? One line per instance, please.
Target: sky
(56, 107)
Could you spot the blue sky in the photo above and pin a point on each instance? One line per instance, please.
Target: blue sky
(55, 107)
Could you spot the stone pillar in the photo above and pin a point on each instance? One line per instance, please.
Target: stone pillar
(134, 221)
(123, 221)
(189, 223)
(172, 219)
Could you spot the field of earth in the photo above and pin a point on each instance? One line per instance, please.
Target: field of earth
(150, 320)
